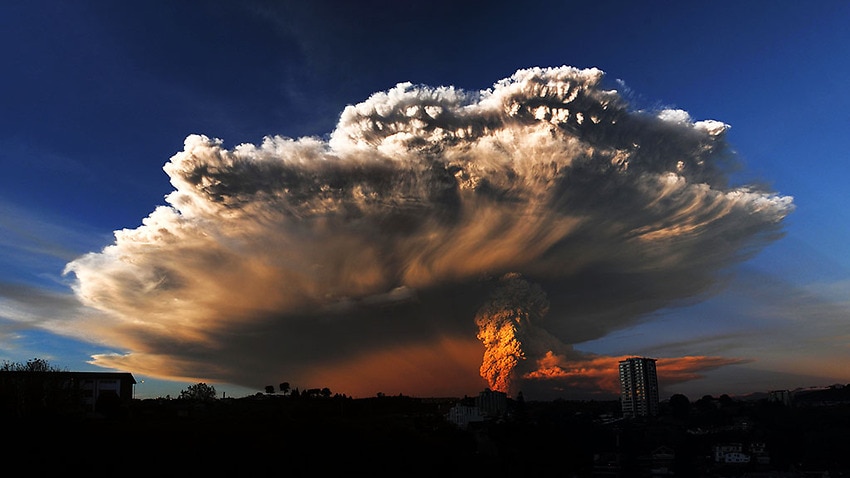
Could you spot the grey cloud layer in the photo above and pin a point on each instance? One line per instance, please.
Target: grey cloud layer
(278, 258)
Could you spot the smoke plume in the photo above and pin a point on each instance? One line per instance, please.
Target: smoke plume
(358, 262)
(506, 324)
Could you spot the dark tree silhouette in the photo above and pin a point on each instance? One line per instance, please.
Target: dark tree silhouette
(284, 388)
(680, 406)
(269, 389)
(35, 387)
(200, 391)
(32, 365)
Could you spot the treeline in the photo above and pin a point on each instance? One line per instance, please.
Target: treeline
(36, 388)
(285, 389)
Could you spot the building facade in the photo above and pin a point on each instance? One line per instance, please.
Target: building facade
(638, 387)
(463, 415)
(492, 403)
(780, 396)
(24, 393)
(95, 386)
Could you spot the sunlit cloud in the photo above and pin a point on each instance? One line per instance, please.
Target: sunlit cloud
(374, 253)
(597, 373)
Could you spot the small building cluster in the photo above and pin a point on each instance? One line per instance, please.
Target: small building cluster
(489, 404)
(737, 453)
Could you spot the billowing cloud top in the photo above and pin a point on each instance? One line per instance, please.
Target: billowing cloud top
(360, 262)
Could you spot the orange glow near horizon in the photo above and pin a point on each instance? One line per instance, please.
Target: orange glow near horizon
(446, 368)
(600, 372)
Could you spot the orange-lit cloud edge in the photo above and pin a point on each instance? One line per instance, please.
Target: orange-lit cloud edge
(600, 372)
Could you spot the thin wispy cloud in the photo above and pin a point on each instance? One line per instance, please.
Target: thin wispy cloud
(26, 235)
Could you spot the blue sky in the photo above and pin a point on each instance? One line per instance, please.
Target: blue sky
(98, 96)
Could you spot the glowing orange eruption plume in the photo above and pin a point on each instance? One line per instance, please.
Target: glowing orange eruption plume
(504, 324)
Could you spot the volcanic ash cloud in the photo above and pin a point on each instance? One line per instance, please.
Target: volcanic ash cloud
(296, 258)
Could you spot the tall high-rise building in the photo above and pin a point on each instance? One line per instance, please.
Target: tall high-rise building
(638, 387)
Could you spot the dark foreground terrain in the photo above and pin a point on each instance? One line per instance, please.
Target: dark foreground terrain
(404, 436)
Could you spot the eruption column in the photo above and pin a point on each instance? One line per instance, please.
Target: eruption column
(504, 324)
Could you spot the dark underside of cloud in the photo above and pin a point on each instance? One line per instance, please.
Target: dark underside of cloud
(378, 256)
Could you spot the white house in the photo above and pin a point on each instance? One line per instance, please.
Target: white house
(463, 415)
